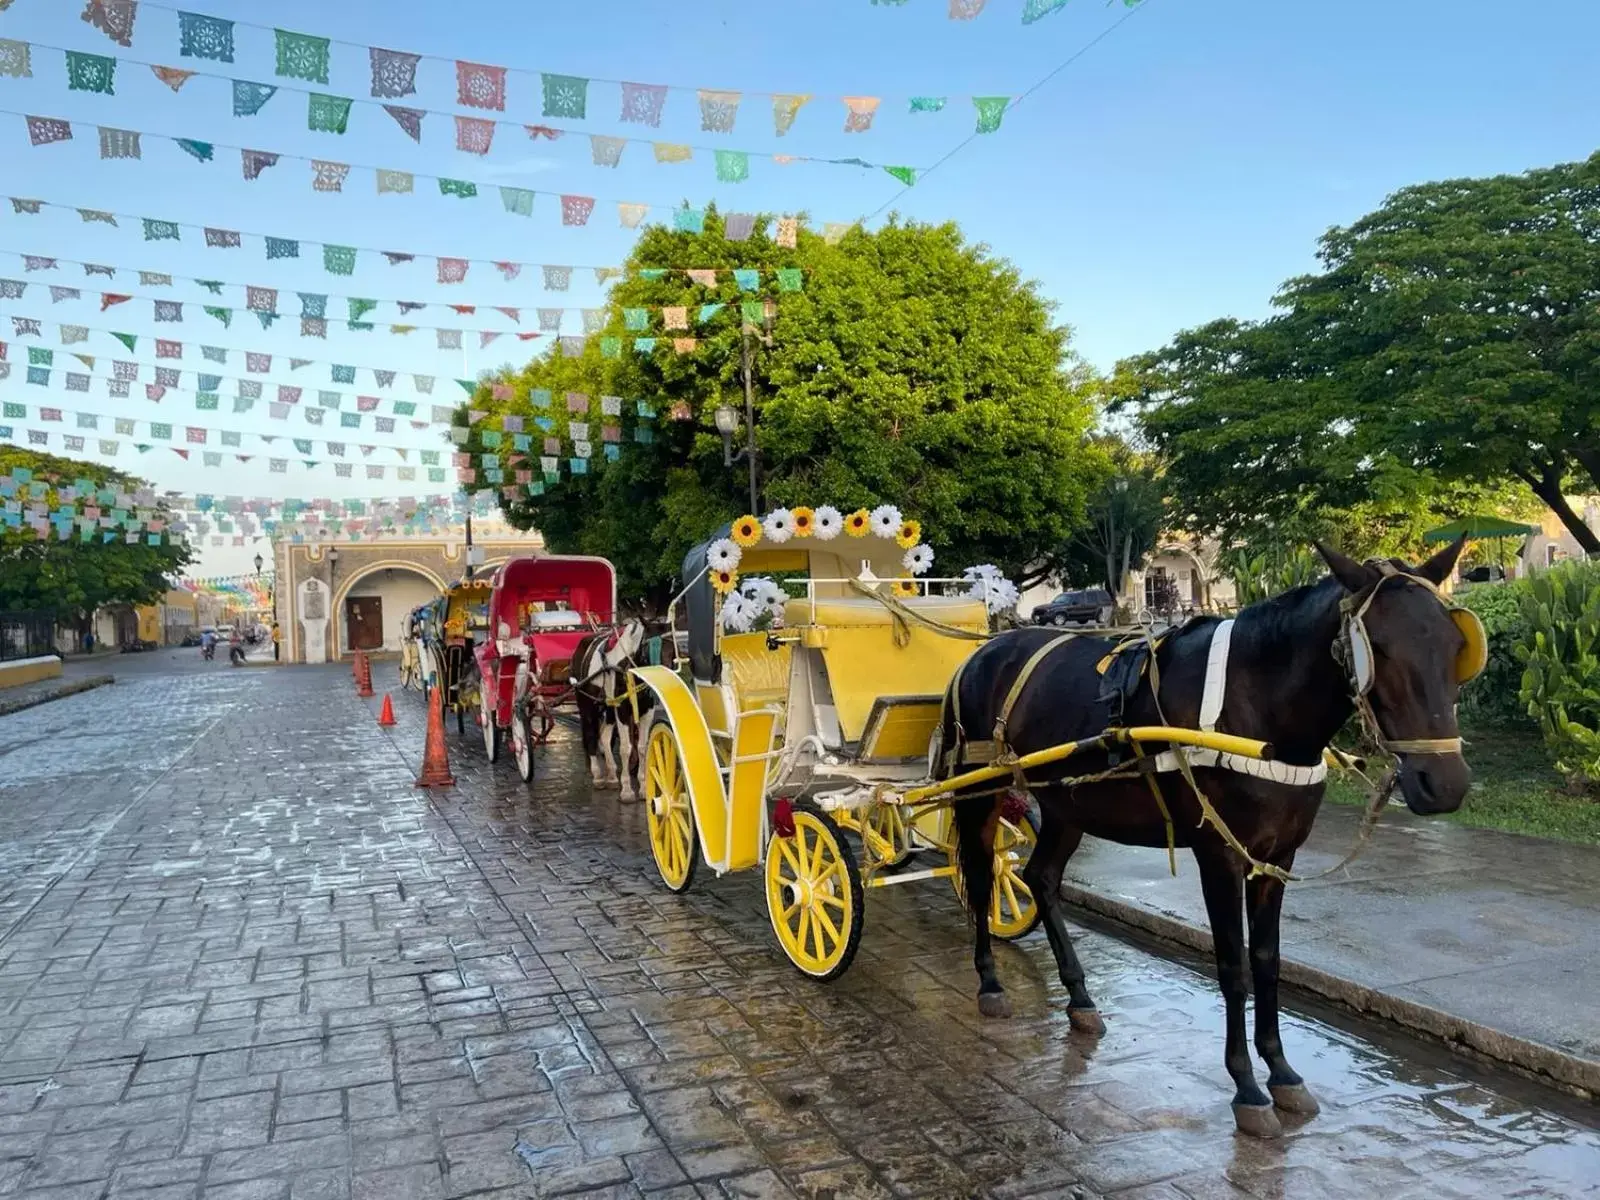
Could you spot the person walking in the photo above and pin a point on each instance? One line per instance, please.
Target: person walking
(274, 641)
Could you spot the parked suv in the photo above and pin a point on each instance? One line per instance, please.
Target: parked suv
(1092, 606)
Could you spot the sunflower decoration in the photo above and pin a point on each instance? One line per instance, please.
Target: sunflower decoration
(779, 526)
(724, 555)
(905, 587)
(826, 523)
(885, 520)
(858, 523)
(747, 531)
(910, 534)
(724, 579)
(802, 521)
(918, 559)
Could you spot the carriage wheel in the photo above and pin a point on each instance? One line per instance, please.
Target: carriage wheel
(674, 841)
(1013, 912)
(814, 896)
(491, 731)
(522, 746)
(890, 842)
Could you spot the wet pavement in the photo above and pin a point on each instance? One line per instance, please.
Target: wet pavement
(1489, 935)
(241, 956)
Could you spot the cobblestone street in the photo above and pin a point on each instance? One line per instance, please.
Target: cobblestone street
(242, 957)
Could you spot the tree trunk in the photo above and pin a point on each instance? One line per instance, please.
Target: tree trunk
(1547, 486)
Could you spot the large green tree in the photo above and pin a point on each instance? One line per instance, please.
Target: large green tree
(1448, 348)
(70, 579)
(909, 368)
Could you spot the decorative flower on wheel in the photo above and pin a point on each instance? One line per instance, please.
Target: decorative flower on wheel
(724, 580)
(779, 526)
(803, 521)
(886, 520)
(910, 534)
(858, 523)
(918, 559)
(724, 555)
(747, 531)
(826, 522)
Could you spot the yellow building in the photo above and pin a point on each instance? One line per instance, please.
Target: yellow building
(171, 620)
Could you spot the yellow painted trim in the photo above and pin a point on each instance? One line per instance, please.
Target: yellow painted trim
(747, 787)
(29, 670)
(698, 759)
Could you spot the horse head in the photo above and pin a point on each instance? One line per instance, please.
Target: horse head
(1407, 649)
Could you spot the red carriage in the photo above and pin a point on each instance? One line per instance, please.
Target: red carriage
(539, 610)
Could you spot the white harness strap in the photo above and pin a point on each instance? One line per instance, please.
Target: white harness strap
(1216, 687)
(1216, 676)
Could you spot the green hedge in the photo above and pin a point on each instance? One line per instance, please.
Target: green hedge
(1495, 696)
(1561, 657)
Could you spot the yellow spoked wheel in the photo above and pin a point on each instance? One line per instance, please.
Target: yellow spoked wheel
(673, 839)
(1013, 912)
(885, 835)
(814, 895)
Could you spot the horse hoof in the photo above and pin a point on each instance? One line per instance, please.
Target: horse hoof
(994, 1004)
(1257, 1120)
(1086, 1020)
(1294, 1098)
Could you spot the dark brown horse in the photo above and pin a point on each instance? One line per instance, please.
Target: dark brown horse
(600, 683)
(1295, 667)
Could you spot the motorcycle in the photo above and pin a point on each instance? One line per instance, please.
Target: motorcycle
(236, 654)
(209, 651)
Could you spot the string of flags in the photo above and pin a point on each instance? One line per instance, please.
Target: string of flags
(487, 87)
(967, 10)
(746, 279)
(337, 260)
(472, 135)
(329, 176)
(572, 430)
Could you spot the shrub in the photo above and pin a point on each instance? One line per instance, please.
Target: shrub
(1495, 696)
(1561, 682)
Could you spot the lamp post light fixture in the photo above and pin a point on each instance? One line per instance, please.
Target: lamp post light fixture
(259, 561)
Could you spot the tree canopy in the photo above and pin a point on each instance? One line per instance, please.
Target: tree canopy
(909, 368)
(70, 579)
(1448, 351)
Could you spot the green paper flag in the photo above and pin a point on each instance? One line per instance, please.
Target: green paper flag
(203, 151)
(327, 114)
(733, 166)
(160, 231)
(90, 73)
(565, 96)
(301, 56)
(360, 308)
(991, 109)
(468, 386)
(1034, 10)
(789, 279)
(127, 339)
(927, 104)
(458, 187)
(906, 175)
(225, 315)
(339, 260)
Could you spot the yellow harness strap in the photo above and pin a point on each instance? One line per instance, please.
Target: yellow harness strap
(1003, 752)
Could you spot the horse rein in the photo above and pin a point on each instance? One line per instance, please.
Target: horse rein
(1353, 611)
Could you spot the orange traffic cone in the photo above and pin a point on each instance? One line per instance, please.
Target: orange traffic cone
(363, 676)
(386, 713)
(435, 759)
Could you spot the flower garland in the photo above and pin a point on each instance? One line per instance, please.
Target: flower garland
(749, 602)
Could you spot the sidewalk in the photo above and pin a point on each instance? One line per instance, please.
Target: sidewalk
(15, 699)
(1479, 938)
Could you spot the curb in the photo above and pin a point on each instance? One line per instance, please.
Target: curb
(1546, 1062)
(86, 684)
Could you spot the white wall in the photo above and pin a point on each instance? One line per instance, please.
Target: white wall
(399, 590)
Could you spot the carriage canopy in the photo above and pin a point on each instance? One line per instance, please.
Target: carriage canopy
(553, 591)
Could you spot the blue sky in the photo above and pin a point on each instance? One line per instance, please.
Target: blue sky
(1177, 171)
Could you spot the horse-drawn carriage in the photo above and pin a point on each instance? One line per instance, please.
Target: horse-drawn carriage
(414, 665)
(540, 609)
(455, 624)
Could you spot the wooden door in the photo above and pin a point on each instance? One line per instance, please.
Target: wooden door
(363, 618)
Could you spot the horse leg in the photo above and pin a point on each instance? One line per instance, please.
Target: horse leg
(589, 723)
(1057, 843)
(1263, 906)
(1222, 882)
(633, 754)
(976, 820)
(608, 766)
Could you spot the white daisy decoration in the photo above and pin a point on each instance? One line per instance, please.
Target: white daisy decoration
(826, 523)
(736, 613)
(918, 559)
(724, 555)
(778, 525)
(885, 520)
(996, 591)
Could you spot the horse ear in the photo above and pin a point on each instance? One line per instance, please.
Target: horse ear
(1439, 568)
(1353, 575)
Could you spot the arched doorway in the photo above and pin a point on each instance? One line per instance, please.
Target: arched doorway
(370, 607)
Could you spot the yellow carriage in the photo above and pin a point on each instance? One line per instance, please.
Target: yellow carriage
(804, 711)
(457, 623)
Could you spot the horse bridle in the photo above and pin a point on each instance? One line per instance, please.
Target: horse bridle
(1354, 651)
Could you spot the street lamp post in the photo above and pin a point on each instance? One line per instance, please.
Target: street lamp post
(727, 418)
